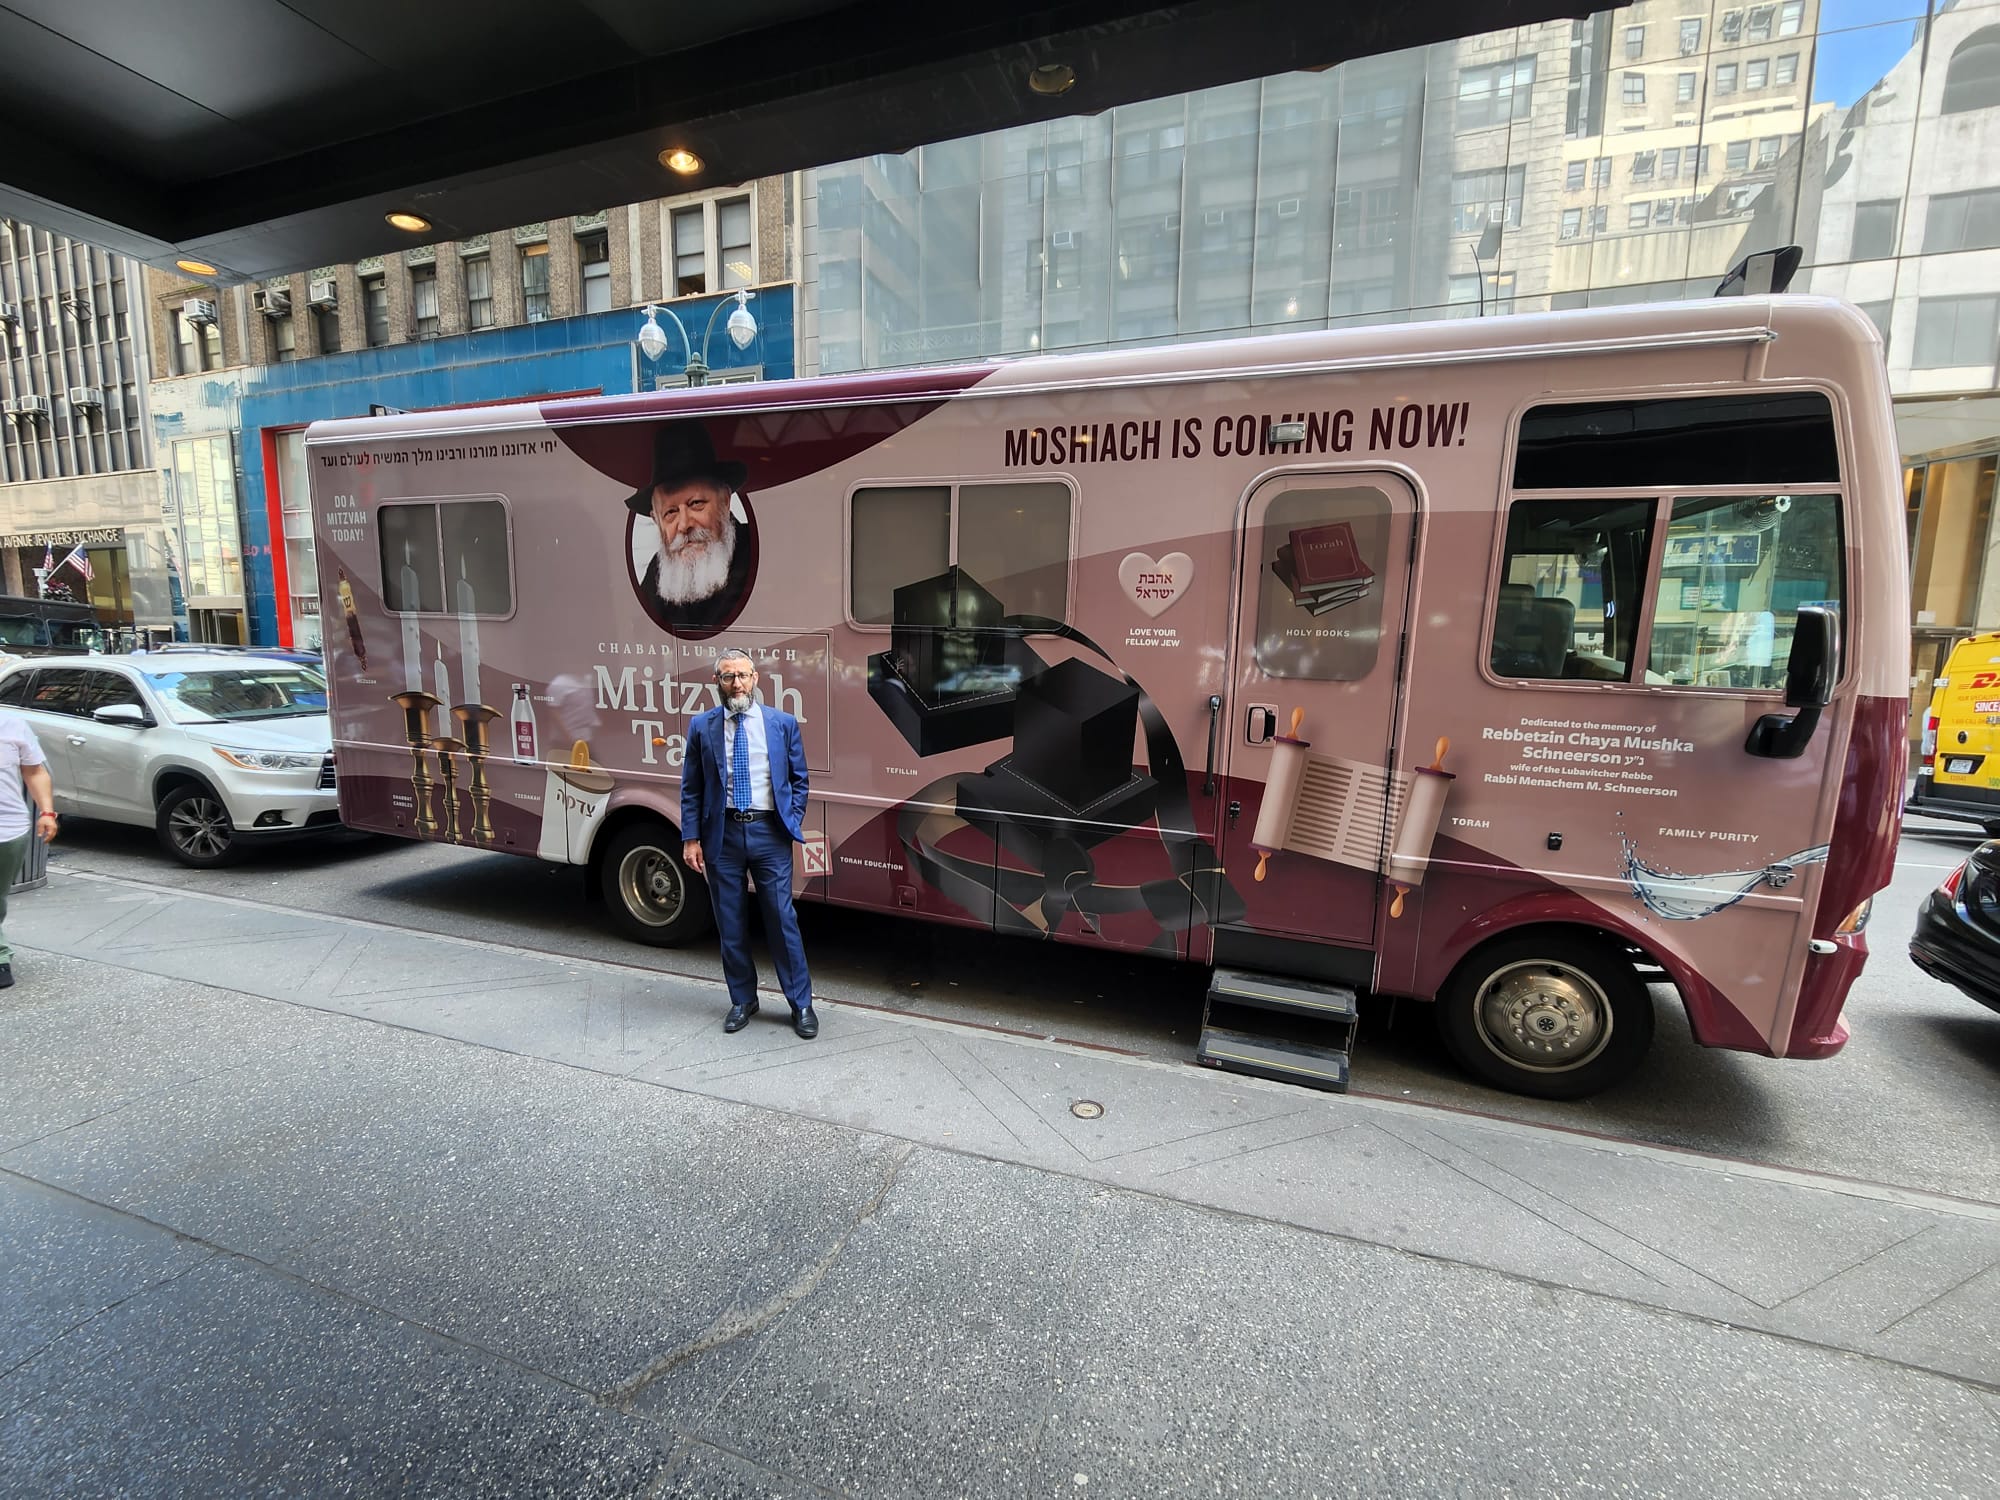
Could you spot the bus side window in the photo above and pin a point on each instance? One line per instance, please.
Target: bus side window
(1736, 571)
(438, 557)
(1571, 585)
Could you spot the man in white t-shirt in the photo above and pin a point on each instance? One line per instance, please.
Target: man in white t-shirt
(22, 770)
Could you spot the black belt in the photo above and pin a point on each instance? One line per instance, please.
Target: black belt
(750, 815)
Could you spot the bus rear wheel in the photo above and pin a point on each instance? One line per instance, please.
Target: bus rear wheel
(653, 898)
(1554, 1016)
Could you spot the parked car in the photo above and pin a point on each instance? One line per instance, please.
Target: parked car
(214, 751)
(1958, 928)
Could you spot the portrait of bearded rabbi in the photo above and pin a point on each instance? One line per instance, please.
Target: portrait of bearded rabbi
(698, 579)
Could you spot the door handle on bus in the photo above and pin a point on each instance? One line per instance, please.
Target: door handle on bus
(1214, 728)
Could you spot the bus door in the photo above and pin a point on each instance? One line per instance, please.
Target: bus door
(1323, 584)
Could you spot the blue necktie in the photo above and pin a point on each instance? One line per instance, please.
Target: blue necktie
(739, 770)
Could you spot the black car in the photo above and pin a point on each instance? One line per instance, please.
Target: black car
(1958, 928)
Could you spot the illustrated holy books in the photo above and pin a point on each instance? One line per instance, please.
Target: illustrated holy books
(1323, 567)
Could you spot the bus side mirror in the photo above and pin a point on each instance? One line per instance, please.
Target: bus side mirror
(1809, 679)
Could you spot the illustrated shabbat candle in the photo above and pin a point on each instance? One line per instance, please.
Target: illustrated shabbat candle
(573, 801)
(467, 600)
(443, 695)
(413, 637)
(1335, 809)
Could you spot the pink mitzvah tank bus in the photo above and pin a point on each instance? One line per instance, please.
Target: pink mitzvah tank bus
(1512, 664)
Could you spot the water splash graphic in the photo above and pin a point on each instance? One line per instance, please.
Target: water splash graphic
(1687, 898)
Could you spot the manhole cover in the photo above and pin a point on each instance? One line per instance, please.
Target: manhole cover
(1087, 1109)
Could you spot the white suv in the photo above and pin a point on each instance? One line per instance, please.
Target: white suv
(215, 752)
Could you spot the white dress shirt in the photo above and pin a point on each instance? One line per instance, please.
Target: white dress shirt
(760, 759)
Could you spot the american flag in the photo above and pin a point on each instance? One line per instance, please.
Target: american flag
(48, 557)
(82, 560)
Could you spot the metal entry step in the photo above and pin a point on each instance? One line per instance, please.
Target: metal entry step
(1274, 1026)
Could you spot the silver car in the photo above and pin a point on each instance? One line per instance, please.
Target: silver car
(215, 752)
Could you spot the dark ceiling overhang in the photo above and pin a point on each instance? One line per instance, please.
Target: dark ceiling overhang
(268, 136)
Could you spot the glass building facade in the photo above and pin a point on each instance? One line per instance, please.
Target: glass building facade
(1633, 155)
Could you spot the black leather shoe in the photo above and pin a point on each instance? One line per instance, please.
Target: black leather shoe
(6, 976)
(805, 1023)
(739, 1016)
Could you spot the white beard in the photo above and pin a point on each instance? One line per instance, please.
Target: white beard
(738, 704)
(689, 577)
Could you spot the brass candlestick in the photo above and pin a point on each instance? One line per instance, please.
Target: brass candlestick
(473, 719)
(446, 748)
(415, 706)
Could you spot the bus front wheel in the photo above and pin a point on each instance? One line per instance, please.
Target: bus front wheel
(1553, 1015)
(653, 897)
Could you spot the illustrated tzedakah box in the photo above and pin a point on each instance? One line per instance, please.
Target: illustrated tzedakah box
(952, 671)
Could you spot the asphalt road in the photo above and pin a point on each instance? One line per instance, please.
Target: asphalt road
(1912, 1101)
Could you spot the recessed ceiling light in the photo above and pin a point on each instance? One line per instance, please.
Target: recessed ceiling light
(681, 160)
(1052, 78)
(412, 223)
(196, 267)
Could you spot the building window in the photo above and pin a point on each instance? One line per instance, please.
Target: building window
(1684, 86)
(1600, 218)
(205, 505)
(1788, 69)
(1635, 42)
(1757, 73)
(1663, 211)
(535, 282)
(326, 328)
(1670, 163)
(1495, 94)
(690, 252)
(1878, 314)
(1572, 223)
(1602, 176)
(1705, 163)
(424, 300)
(1972, 79)
(375, 308)
(1633, 88)
(284, 339)
(478, 291)
(1690, 35)
(1735, 156)
(1482, 198)
(1791, 16)
(1638, 215)
(1573, 176)
(732, 234)
(1875, 229)
(1761, 17)
(1643, 163)
(1767, 150)
(593, 255)
(1462, 294)
(1962, 221)
(1725, 78)
(1953, 332)
(1732, 27)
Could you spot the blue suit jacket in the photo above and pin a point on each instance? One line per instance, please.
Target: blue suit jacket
(703, 797)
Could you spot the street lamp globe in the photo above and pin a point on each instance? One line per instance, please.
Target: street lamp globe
(652, 337)
(742, 327)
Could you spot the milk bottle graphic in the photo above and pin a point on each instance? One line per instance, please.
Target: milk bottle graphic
(526, 748)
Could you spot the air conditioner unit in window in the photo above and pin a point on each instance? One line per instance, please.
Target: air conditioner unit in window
(86, 398)
(1063, 239)
(1288, 208)
(1170, 222)
(9, 313)
(273, 301)
(321, 293)
(199, 311)
(31, 408)
(1215, 217)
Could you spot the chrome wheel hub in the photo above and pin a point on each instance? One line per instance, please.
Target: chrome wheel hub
(1544, 1015)
(651, 887)
(200, 827)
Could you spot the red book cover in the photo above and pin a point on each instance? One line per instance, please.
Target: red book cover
(1326, 555)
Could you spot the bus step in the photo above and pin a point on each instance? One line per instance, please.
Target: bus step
(1325, 1002)
(1273, 1057)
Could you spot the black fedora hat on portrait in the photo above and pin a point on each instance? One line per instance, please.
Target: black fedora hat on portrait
(682, 451)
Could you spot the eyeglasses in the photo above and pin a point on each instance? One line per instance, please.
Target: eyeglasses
(736, 676)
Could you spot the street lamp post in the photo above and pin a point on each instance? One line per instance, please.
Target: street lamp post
(742, 328)
(1487, 248)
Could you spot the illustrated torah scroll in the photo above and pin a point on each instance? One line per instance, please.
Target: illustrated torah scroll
(1337, 809)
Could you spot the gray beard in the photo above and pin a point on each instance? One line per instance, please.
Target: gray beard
(739, 704)
(687, 578)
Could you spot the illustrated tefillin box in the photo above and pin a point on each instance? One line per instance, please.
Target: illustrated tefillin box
(1073, 729)
(952, 670)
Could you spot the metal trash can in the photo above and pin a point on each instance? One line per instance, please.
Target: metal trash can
(34, 871)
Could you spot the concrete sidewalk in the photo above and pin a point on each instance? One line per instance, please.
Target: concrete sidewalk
(300, 1205)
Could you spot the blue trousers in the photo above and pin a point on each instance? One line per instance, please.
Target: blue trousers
(763, 850)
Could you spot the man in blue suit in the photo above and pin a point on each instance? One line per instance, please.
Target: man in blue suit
(743, 802)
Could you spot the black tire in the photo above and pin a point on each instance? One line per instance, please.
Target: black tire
(1557, 1015)
(195, 828)
(653, 898)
